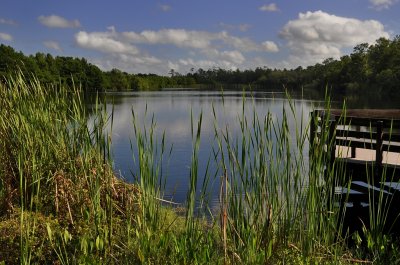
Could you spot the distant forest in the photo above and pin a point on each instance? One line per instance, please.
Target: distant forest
(373, 68)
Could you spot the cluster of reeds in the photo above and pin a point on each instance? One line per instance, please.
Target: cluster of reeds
(61, 202)
(274, 199)
(58, 193)
(278, 202)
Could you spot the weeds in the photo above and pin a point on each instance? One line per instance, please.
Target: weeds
(61, 203)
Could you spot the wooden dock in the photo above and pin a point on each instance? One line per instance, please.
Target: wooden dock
(365, 144)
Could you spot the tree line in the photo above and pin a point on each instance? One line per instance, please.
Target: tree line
(374, 68)
(67, 70)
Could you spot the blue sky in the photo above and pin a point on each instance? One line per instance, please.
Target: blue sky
(156, 36)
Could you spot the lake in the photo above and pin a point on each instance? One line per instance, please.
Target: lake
(172, 111)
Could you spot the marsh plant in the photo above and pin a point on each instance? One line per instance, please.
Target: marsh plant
(61, 202)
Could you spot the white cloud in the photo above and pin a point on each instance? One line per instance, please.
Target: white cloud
(382, 4)
(143, 59)
(131, 64)
(270, 7)
(270, 46)
(214, 58)
(52, 45)
(315, 36)
(242, 44)
(235, 57)
(192, 39)
(118, 53)
(189, 63)
(5, 36)
(186, 64)
(164, 7)
(198, 49)
(54, 21)
(106, 42)
(177, 37)
(149, 64)
(8, 22)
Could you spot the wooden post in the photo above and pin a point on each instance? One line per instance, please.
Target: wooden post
(353, 149)
(331, 146)
(378, 151)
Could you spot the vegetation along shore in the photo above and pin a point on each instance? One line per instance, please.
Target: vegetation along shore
(61, 203)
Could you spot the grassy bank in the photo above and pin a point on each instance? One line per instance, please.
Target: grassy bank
(60, 201)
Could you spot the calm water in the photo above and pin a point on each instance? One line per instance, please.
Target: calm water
(172, 114)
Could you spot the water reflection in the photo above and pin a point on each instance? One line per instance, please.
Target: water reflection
(172, 113)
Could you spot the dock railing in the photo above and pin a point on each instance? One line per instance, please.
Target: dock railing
(365, 142)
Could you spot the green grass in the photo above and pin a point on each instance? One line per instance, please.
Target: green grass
(60, 201)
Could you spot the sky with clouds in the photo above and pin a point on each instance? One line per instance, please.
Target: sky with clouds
(155, 36)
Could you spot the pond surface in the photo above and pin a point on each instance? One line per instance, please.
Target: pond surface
(172, 111)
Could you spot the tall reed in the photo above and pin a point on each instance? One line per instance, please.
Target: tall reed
(60, 196)
(272, 196)
(56, 175)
